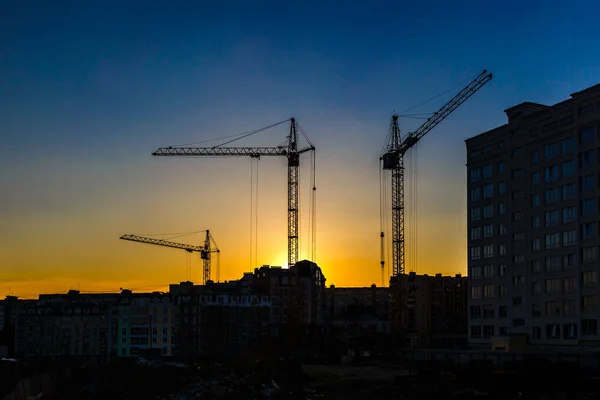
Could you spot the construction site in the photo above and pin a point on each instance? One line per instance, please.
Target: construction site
(272, 311)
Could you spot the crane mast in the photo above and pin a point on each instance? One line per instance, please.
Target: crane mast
(393, 159)
(205, 251)
(290, 151)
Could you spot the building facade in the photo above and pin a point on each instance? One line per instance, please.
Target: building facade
(533, 213)
(436, 309)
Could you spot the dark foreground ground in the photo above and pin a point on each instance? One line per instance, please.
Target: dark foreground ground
(278, 378)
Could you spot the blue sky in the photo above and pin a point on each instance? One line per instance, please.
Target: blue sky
(88, 89)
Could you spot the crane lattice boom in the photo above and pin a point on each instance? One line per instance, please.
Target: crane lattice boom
(393, 159)
(205, 251)
(290, 151)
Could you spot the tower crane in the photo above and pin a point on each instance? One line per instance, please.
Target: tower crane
(393, 159)
(289, 150)
(209, 247)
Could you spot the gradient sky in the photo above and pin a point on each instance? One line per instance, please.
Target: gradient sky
(88, 89)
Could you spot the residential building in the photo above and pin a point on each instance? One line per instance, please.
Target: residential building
(436, 309)
(144, 321)
(64, 325)
(533, 187)
(367, 307)
(218, 319)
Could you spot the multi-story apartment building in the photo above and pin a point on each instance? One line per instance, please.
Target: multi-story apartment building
(218, 319)
(533, 213)
(436, 309)
(144, 321)
(64, 325)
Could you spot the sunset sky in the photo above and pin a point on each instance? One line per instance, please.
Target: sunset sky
(89, 89)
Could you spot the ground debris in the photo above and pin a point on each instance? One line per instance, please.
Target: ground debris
(247, 386)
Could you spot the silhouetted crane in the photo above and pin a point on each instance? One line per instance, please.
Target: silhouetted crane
(393, 159)
(205, 251)
(289, 150)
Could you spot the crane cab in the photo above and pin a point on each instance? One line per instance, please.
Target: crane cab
(391, 160)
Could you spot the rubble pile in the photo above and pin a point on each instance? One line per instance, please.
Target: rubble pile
(247, 387)
(249, 378)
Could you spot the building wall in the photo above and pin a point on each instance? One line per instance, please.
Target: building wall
(436, 308)
(145, 321)
(533, 213)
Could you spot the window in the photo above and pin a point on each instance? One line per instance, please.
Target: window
(568, 191)
(475, 312)
(475, 331)
(488, 291)
(586, 135)
(551, 217)
(502, 269)
(488, 191)
(517, 173)
(475, 273)
(553, 263)
(553, 308)
(502, 228)
(487, 171)
(551, 173)
(535, 308)
(475, 214)
(517, 215)
(570, 238)
(535, 200)
(501, 290)
(518, 194)
(475, 253)
(518, 322)
(589, 326)
(502, 249)
(569, 214)
(554, 286)
(550, 151)
(589, 278)
(488, 211)
(536, 266)
(518, 236)
(552, 240)
(502, 312)
(569, 307)
(588, 230)
(536, 288)
(535, 179)
(488, 230)
(589, 254)
(587, 182)
(475, 232)
(518, 259)
(518, 280)
(501, 167)
(501, 208)
(535, 157)
(475, 194)
(535, 222)
(517, 301)
(501, 187)
(536, 244)
(551, 196)
(586, 159)
(568, 168)
(589, 303)
(567, 146)
(488, 271)
(569, 261)
(516, 152)
(488, 251)
(588, 206)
